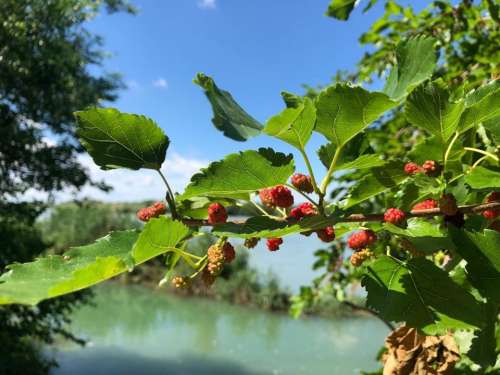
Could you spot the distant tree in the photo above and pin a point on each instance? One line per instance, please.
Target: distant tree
(46, 55)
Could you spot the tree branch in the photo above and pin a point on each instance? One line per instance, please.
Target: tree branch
(359, 218)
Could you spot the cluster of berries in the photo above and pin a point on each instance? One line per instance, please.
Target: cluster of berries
(155, 210)
(430, 168)
(360, 243)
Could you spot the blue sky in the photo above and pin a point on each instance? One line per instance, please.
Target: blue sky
(254, 49)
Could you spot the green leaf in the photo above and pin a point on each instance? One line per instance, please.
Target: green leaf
(84, 266)
(121, 140)
(493, 126)
(294, 125)
(292, 100)
(380, 180)
(480, 250)
(481, 105)
(483, 178)
(483, 348)
(241, 173)
(229, 117)
(406, 291)
(429, 108)
(343, 111)
(340, 9)
(159, 236)
(415, 62)
(431, 148)
(425, 235)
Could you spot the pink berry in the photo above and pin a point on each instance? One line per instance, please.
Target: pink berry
(361, 239)
(425, 205)
(412, 168)
(303, 210)
(302, 182)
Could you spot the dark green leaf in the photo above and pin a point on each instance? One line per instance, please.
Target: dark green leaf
(483, 259)
(483, 348)
(291, 100)
(415, 62)
(343, 111)
(481, 105)
(483, 178)
(340, 9)
(121, 140)
(406, 291)
(294, 125)
(429, 107)
(229, 117)
(241, 173)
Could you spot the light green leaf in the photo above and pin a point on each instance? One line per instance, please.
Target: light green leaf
(415, 62)
(159, 236)
(229, 117)
(343, 111)
(294, 125)
(84, 266)
(380, 180)
(480, 250)
(363, 162)
(292, 100)
(340, 9)
(429, 108)
(431, 148)
(241, 173)
(406, 291)
(481, 105)
(483, 178)
(493, 126)
(121, 140)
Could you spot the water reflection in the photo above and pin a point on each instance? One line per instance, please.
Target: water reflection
(166, 335)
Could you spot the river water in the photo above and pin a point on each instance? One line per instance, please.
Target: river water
(133, 330)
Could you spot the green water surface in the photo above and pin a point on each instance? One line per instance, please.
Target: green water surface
(138, 331)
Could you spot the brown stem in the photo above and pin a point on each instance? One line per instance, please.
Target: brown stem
(359, 218)
(370, 311)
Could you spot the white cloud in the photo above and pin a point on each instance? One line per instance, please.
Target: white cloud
(160, 83)
(207, 4)
(131, 185)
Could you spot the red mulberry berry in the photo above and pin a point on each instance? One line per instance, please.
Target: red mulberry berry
(412, 168)
(358, 258)
(492, 198)
(431, 168)
(302, 182)
(361, 239)
(303, 210)
(448, 205)
(326, 234)
(229, 253)
(281, 196)
(155, 210)
(394, 216)
(273, 244)
(216, 213)
(250, 243)
(425, 205)
(265, 198)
